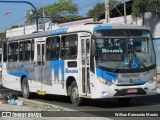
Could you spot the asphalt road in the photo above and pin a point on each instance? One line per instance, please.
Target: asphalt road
(137, 104)
(147, 103)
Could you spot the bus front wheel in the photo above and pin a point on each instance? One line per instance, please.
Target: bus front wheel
(25, 88)
(74, 94)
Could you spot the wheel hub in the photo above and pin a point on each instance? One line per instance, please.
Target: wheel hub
(75, 94)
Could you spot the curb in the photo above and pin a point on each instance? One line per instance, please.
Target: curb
(7, 107)
(36, 106)
(55, 107)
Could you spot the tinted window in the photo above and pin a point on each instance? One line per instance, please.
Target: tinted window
(13, 52)
(69, 46)
(5, 52)
(24, 51)
(52, 48)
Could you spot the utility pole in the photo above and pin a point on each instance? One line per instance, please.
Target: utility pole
(107, 12)
(125, 18)
(43, 16)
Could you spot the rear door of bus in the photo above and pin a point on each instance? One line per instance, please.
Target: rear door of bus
(39, 65)
(85, 57)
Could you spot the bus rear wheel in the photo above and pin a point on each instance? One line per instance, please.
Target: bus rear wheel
(25, 88)
(74, 94)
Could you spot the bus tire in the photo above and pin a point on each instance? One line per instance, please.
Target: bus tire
(25, 88)
(124, 101)
(74, 94)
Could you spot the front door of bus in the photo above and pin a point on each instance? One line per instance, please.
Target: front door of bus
(40, 68)
(85, 52)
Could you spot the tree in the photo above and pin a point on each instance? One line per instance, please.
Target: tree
(14, 26)
(154, 7)
(139, 8)
(65, 8)
(99, 9)
(2, 36)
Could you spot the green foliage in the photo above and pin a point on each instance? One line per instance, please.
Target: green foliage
(99, 8)
(14, 26)
(154, 7)
(2, 36)
(65, 8)
(139, 7)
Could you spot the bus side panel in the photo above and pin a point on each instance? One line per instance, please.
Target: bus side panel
(13, 73)
(8, 80)
(54, 77)
(56, 74)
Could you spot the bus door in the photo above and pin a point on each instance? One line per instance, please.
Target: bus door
(85, 57)
(40, 67)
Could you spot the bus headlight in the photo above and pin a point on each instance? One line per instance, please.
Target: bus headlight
(153, 79)
(104, 81)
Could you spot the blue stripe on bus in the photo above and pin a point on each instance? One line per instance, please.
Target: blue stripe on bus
(19, 74)
(59, 31)
(57, 66)
(106, 75)
(102, 28)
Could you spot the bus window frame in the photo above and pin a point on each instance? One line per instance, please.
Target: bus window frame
(17, 51)
(69, 47)
(24, 51)
(46, 50)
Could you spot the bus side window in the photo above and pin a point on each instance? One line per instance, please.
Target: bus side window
(52, 48)
(5, 52)
(69, 46)
(32, 50)
(13, 52)
(27, 51)
(24, 50)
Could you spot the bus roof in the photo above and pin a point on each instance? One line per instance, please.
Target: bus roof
(82, 28)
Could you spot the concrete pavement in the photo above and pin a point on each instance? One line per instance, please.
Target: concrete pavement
(41, 106)
(31, 105)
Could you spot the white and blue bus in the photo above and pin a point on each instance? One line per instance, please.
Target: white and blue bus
(87, 61)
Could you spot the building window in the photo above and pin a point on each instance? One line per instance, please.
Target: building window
(13, 52)
(69, 46)
(52, 48)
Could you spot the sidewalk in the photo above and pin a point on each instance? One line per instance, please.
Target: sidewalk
(31, 105)
(40, 107)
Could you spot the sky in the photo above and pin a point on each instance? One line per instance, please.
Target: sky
(18, 10)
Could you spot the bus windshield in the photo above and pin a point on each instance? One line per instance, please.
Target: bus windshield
(124, 49)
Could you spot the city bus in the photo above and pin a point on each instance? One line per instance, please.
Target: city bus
(90, 61)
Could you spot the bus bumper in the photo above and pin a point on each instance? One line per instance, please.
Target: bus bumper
(114, 91)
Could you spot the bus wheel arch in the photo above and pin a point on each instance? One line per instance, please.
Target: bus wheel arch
(25, 87)
(69, 81)
(73, 91)
(74, 94)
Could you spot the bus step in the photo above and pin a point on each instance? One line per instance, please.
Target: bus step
(41, 92)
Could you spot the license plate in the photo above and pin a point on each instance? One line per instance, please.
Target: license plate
(132, 91)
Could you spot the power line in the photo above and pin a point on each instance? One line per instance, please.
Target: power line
(89, 4)
(12, 23)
